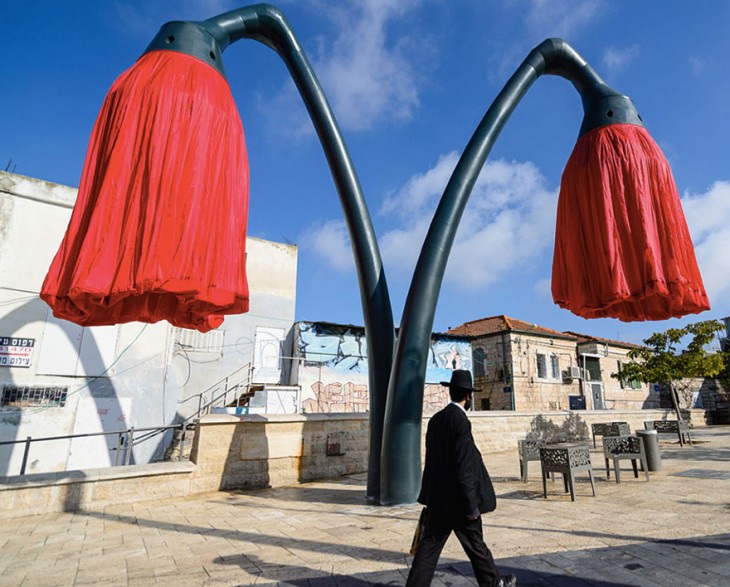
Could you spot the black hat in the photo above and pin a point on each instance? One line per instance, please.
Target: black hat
(460, 379)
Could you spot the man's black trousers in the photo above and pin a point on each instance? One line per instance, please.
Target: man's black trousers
(437, 531)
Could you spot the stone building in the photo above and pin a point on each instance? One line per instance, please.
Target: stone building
(526, 367)
(59, 379)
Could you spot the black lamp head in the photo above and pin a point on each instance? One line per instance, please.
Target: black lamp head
(190, 38)
(602, 105)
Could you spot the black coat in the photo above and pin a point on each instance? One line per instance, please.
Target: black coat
(455, 480)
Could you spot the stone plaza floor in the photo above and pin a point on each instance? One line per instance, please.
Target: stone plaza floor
(673, 530)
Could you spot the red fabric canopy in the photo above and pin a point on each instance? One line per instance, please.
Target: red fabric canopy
(159, 227)
(622, 246)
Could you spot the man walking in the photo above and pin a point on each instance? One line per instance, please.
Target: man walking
(456, 490)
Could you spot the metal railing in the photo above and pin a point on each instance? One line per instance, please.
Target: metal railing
(125, 440)
(231, 384)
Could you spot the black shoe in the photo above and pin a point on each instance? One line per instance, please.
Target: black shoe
(508, 581)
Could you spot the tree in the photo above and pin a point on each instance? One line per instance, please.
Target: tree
(663, 360)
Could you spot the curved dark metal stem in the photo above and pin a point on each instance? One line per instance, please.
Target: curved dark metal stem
(401, 452)
(268, 25)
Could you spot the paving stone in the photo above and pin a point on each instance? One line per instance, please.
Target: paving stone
(672, 531)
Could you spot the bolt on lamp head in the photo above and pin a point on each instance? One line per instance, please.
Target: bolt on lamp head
(159, 227)
(622, 245)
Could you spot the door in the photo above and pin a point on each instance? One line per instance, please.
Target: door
(268, 345)
(597, 393)
(594, 381)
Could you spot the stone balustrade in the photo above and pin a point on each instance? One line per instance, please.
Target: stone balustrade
(246, 452)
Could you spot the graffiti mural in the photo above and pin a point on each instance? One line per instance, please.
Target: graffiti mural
(333, 369)
(445, 355)
(341, 348)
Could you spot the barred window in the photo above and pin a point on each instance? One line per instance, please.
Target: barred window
(193, 341)
(24, 396)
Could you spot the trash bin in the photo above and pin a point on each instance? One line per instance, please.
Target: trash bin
(651, 449)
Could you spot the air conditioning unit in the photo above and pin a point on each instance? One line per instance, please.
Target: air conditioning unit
(572, 373)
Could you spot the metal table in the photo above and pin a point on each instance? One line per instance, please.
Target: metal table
(568, 459)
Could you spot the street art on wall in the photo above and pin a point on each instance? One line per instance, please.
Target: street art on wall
(333, 369)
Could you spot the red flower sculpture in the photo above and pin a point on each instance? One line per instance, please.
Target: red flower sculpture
(622, 247)
(159, 227)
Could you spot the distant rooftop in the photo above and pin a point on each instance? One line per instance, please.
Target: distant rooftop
(584, 338)
(502, 323)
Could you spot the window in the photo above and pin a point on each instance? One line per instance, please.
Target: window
(478, 363)
(24, 396)
(192, 341)
(548, 367)
(541, 366)
(625, 383)
(555, 366)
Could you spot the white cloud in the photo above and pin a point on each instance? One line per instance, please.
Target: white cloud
(615, 60)
(708, 218)
(508, 221)
(561, 18)
(331, 242)
(367, 76)
(543, 287)
(421, 191)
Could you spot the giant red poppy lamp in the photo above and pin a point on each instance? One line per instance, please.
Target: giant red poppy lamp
(159, 227)
(622, 248)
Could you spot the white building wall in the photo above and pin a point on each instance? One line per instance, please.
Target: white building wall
(147, 372)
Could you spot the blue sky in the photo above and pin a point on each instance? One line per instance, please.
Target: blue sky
(408, 81)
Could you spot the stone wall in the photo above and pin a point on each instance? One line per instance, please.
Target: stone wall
(243, 452)
(246, 452)
(92, 489)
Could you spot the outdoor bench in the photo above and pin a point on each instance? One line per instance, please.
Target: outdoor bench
(678, 427)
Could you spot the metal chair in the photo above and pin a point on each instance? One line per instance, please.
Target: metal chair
(529, 450)
(621, 448)
(568, 459)
(609, 429)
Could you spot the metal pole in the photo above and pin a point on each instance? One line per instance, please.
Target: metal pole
(120, 444)
(130, 444)
(26, 451)
(269, 26)
(182, 441)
